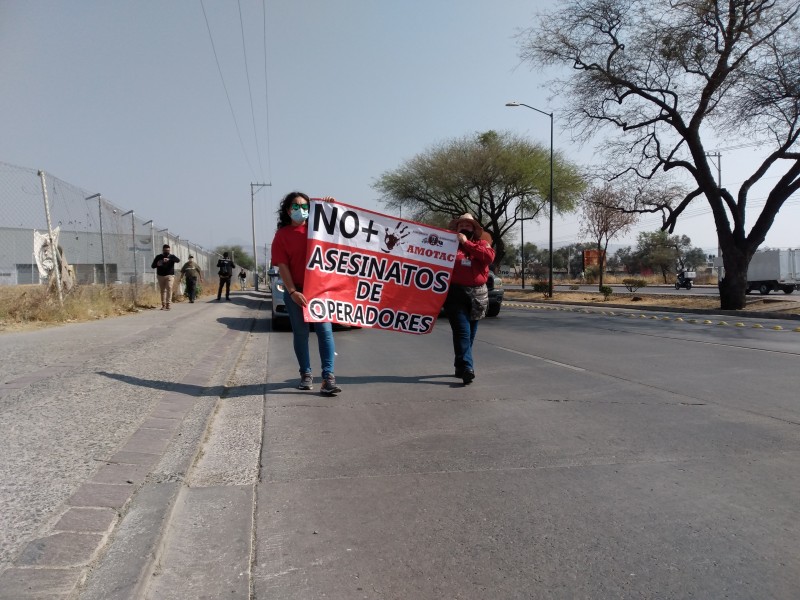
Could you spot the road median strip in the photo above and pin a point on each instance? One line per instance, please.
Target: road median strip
(581, 308)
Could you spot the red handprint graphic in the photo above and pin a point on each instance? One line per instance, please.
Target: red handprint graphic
(395, 237)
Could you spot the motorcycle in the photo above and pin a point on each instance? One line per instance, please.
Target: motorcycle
(684, 280)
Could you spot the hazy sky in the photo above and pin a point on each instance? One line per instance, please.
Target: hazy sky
(125, 98)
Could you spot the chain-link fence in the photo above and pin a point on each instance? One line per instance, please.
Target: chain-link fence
(101, 241)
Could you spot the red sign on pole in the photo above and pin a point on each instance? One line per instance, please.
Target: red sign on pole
(366, 269)
(594, 258)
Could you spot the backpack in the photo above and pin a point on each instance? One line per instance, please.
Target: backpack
(225, 269)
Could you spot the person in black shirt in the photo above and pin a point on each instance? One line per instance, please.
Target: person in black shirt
(164, 264)
(226, 267)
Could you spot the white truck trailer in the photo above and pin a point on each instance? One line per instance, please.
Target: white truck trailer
(774, 270)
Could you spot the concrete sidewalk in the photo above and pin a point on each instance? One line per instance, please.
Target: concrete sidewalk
(114, 530)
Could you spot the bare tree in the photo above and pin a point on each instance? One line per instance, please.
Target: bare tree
(667, 76)
(602, 219)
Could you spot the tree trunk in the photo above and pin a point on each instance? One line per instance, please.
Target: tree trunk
(733, 287)
(601, 252)
(499, 252)
(600, 270)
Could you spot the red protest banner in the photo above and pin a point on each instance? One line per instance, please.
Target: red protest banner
(372, 270)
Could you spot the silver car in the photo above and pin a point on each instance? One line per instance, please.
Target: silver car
(280, 316)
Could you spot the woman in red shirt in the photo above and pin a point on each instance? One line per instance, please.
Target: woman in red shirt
(289, 256)
(468, 296)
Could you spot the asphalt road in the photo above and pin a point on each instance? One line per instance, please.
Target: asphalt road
(610, 454)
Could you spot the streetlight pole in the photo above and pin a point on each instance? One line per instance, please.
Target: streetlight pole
(253, 187)
(102, 246)
(548, 114)
(522, 239)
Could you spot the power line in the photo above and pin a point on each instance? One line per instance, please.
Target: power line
(227, 95)
(741, 146)
(250, 89)
(266, 91)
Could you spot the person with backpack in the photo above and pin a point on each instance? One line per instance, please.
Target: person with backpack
(226, 267)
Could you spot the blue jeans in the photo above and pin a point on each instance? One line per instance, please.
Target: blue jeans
(300, 331)
(464, 332)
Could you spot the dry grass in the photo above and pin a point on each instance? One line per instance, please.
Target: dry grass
(754, 303)
(609, 279)
(25, 307)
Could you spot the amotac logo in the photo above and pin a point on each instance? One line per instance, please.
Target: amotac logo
(433, 240)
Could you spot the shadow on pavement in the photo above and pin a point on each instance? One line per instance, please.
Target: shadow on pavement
(198, 391)
(290, 386)
(284, 387)
(237, 323)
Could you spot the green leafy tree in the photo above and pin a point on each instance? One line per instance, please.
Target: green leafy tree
(500, 178)
(574, 257)
(239, 255)
(568, 257)
(694, 258)
(667, 78)
(630, 259)
(658, 252)
(663, 252)
(510, 258)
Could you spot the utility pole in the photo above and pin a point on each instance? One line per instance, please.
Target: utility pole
(718, 156)
(253, 187)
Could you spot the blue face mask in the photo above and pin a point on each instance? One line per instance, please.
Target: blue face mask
(299, 215)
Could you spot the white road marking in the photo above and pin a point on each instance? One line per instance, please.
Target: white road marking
(547, 360)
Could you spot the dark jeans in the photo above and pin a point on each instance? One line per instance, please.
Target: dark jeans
(191, 288)
(464, 332)
(224, 281)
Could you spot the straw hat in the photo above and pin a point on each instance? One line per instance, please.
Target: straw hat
(466, 218)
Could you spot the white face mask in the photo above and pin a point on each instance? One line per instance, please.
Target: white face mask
(299, 215)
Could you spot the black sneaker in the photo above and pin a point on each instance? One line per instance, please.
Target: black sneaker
(459, 372)
(306, 382)
(329, 386)
(467, 377)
